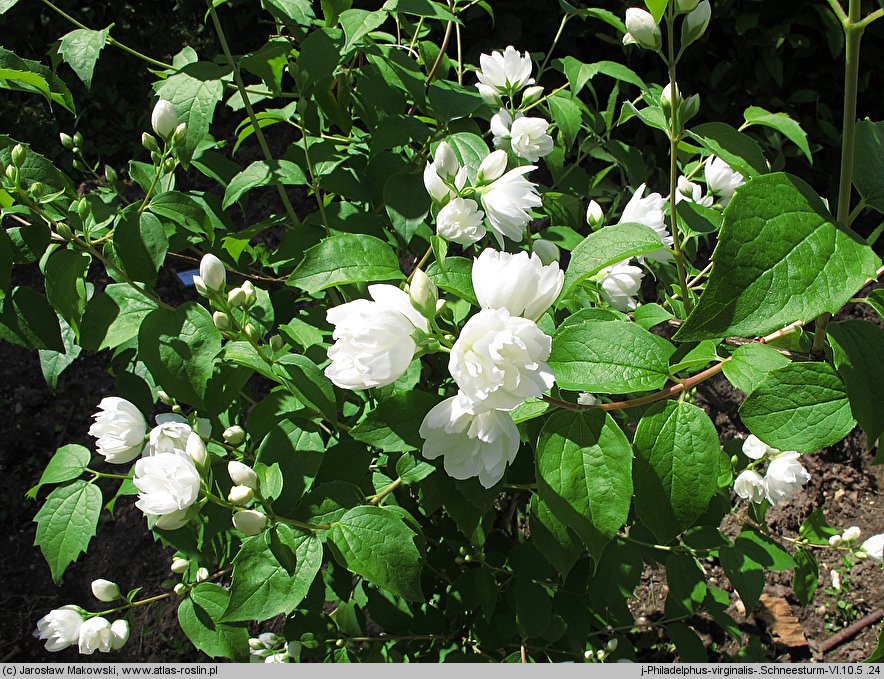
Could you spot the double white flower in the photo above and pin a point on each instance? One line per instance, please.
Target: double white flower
(620, 284)
(648, 210)
(503, 73)
(508, 198)
(722, 180)
(168, 484)
(784, 477)
(120, 429)
(527, 137)
(374, 340)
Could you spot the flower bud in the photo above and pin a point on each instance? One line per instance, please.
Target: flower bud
(595, 216)
(251, 295)
(202, 574)
(547, 251)
(78, 138)
(78, 165)
(862, 556)
(835, 540)
(164, 397)
(200, 286)
(851, 534)
(251, 331)
(249, 521)
(64, 231)
(66, 140)
(180, 589)
(169, 165)
(19, 153)
(180, 134)
(105, 590)
(196, 449)
(423, 293)
(212, 272)
(37, 190)
(489, 95)
(670, 100)
(110, 174)
(12, 174)
(492, 167)
(221, 320)
(149, 142)
(119, 633)
(83, 209)
(695, 23)
(242, 475)
(164, 119)
(642, 29)
(234, 435)
(531, 95)
(236, 297)
(180, 565)
(686, 5)
(240, 495)
(445, 161)
(276, 343)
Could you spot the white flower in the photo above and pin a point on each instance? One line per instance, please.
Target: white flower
(697, 20)
(546, 250)
(584, 398)
(851, 534)
(249, 521)
(105, 590)
(874, 547)
(649, 211)
(507, 201)
(519, 283)
(60, 627)
(620, 284)
(498, 361)
(213, 274)
(97, 634)
(374, 340)
(442, 171)
(202, 574)
(642, 29)
(471, 445)
(526, 136)
(164, 119)
(785, 476)
(461, 221)
(692, 192)
(595, 216)
(120, 428)
(169, 484)
(722, 180)
(754, 448)
(750, 486)
(120, 631)
(505, 72)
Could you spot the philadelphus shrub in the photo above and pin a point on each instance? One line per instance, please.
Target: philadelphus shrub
(448, 412)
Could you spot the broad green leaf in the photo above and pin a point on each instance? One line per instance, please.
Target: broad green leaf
(688, 645)
(6, 5)
(657, 8)
(179, 347)
(649, 315)
(606, 247)
(66, 284)
(307, 383)
(567, 117)
(591, 12)
(801, 406)
(299, 11)
(610, 357)
(346, 258)
(54, 363)
(407, 204)
(816, 529)
(27, 319)
(676, 467)
(470, 150)
(765, 551)
(782, 123)
(377, 544)
(411, 469)
(744, 563)
(332, 9)
(558, 543)
(450, 101)
(698, 357)
(750, 364)
(584, 465)
(579, 74)
(298, 449)
(25, 75)
(393, 425)
(272, 573)
(140, 244)
(858, 349)
(738, 150)
(80, 49)
(66, 523)
(113, 316)
(868, 163)
(263, 173)
(199, 616)
(182, 209)
(780, 258)
(422, 8)
(358, 23)
(878, 654)
(454, 276)
(327, 503)
(806, 576)
(687, 584)
(68, 463)
(36, 168)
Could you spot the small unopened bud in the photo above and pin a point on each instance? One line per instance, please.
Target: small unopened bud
(251, 294)
(242, 475)
(423, 293)
(164, 119)
(234, 435)
(492, 167)
(202, 574)
(105, 590)
(19, 153)
(670, 100)
(276, 343)
(612, 645)
(176, 409)
(587, 655)
(221, 320)
(37, 190)
(169, 165)
(695, 23)
(180, 565)
(66, 140)
(84, 209)
(251, 331)
(180, 589)
(851, 534)
(835, 540)
(212, 272)
(642, 29)
(686, 5)
(240, 495)
(149, 142)
(164, 397)
(78, 165)
(445, 161)
(110, 174)
(180, 134)
(531, 95)
(547, 251)
(78, 138)
(195, 448)
(12, 174)
(595, 216)
(236, 297)
(119, 633)
(200, 286)
(249, 521)
(64, 231)
(862, 556)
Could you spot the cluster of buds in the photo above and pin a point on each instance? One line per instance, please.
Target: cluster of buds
(270, 648)
(245, 486)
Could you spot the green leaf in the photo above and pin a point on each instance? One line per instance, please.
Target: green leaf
(80, 49)
(584, 467)
(610, 357)
(806, 576)
(36, 168)
(687, 585)
(298, 449)
(802, 406)
(454, 276)
(782, 123)
(744, 563)
(27, 319)
(608, 246)
(272, 573)
(327, 503)
(422, 8)
(66, 523)
(307, 383)
(407, 204)
(54, 363)
(200, 618)
(579, 74)
(878, 654)
(816, 529)
(298, 11)
(25, 75)
(393, 425)
(263, 173)
(750, 364)
(649, 315)
(194, 91)
(450, 101)
(858, 350)
(470, 150)
(377, 544)
(358, 23)
(68, 463)
(688, 644)
(738, 150)
(591, 12)
(140, 244)
(114, 316)
(868, 163)
(6, 5)
(411, 470)
(332, 9)
(657, 8)
(346, 258)
(567, 117)
(66, 284)
(780, 258)
(558, 543)
(179, 347)
(676, 467)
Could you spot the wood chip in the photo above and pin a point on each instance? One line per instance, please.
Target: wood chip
(783, 626)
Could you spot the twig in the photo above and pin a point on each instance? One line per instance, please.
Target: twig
(837, 639)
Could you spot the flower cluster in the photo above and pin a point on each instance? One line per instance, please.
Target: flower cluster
(784, 477)
(70, 625)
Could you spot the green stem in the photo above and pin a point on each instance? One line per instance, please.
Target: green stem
(259, 134)
(553, 46)
(156, 177)
(102, 475)
(376, 499)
